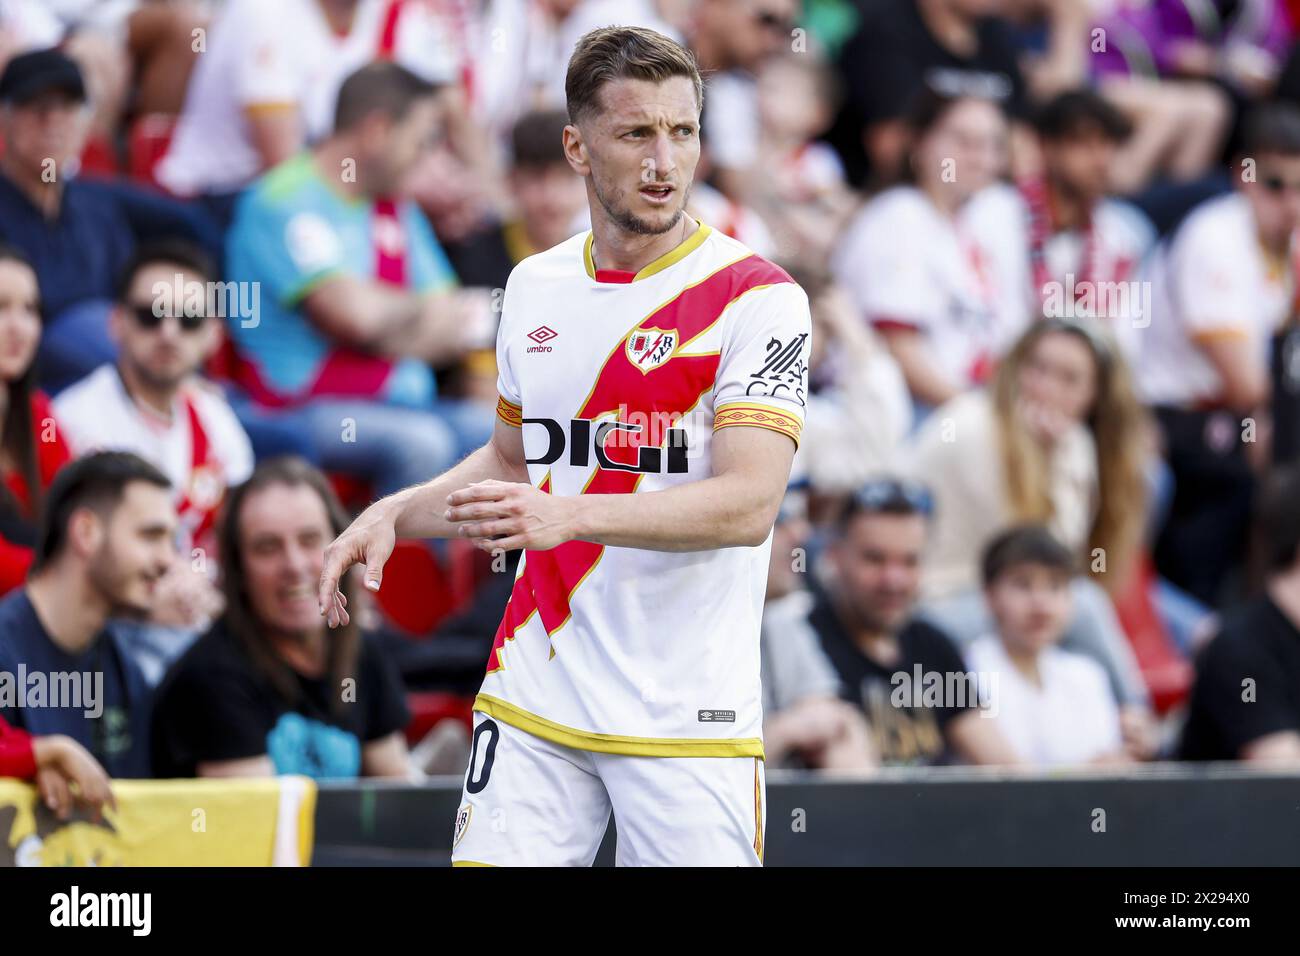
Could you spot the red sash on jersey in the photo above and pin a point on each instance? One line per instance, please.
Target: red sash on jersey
(202, 494)
(346, 371)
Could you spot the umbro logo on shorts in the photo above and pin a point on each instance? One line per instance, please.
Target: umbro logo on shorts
(543, 333)
(717, 717)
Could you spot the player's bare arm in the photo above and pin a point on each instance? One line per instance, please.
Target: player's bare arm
(416, 512)
(735, 507)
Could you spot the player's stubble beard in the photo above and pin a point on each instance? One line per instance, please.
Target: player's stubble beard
(628, 221)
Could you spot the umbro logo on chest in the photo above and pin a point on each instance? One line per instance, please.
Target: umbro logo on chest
(541, 335)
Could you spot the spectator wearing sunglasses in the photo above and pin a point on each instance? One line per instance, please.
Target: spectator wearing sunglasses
(32, 447)
(1222, 286)
(152, 401)
(862, 615)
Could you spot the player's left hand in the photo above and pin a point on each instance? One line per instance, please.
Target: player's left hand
(507, 515)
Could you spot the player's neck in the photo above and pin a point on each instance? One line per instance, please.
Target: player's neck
(615, 248)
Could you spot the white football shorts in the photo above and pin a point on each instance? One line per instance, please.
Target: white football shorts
(531, 802)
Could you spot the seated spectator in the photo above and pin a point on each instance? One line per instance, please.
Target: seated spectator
(1052, 706)
(862, 614)
(65, 773)
(1222, 285)
(153, 401)
(1078, 250)
(270, 690)
(804, 719)
(1057, 439)
(76, 236)
(266, 84)
(1162, 69)
(859, 411)
(1246, 701)
(900, 47)
(801, 192)
(356, 296)
(550, 205)
(77, 233)
(939, 299)
(32, 446)
(732, 40)
(548, 197)
(107, 539)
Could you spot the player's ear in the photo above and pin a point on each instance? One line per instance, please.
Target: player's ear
(575, 150)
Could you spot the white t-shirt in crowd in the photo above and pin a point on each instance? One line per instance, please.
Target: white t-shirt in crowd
(732, 123)
(1071, 718)
(1211, 280)
(1109, 258)
(97, 414)
(282, 54)
(907, 264)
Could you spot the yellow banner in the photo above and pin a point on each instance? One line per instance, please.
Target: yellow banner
(254, 822)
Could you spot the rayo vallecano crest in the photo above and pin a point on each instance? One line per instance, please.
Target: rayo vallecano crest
(650, 348)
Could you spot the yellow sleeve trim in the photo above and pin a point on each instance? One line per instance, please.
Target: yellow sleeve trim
(509, 412)
(508, 713)
(1225, 333)
(471, 863)
(759, 416)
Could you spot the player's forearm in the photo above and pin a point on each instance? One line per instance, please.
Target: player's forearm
(726, 511)
(420, 511)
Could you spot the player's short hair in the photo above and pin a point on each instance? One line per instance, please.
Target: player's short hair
(1025, 544)
(97, 481)
(1279, 518)
(537, 140)
(174, 252)
(614, 53)
(1078, 111)
(383, 87)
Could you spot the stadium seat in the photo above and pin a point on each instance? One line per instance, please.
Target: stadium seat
(148, 141)
(1167, 673)
(428, 709)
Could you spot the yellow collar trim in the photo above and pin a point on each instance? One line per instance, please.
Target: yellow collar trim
(673, 256)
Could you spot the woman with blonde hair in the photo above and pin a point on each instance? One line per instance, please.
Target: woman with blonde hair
(1057, 438)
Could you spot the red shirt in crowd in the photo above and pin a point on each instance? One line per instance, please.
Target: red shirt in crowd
(51, 455)
(17, 759)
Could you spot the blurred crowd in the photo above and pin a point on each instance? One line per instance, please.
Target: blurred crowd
(1044, 510)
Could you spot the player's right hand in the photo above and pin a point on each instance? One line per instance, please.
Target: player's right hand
(369, 540)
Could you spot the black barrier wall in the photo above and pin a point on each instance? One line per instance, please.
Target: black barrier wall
(1171, 815)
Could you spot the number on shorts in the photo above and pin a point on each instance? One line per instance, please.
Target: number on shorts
(475, 784)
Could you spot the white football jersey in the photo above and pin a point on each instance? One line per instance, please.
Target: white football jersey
(618, 382)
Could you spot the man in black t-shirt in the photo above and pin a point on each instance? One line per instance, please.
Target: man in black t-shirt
(1246, 701)
(903, 46)
(269, 690)
(907, 676)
